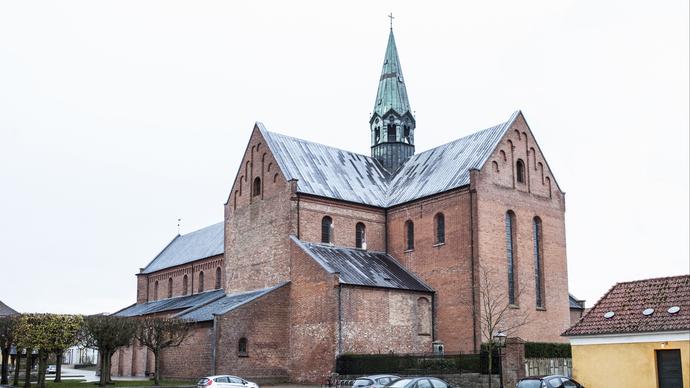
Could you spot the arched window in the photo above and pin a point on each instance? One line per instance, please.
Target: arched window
(391, 133)
(538, 261)
(511, 253)
(201, 281)
(155, 290)
(520, 171)
(409, 235)
(360, 235)
(327, 230)
(440, 228)
(256, 189)
(423, 316)
(170, 290)
(218, 275)
(242, 347)
(185, 285)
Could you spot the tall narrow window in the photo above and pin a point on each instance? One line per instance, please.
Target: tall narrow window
(538, 261)
(242, 347)
(391, 133)
(440, 228)
(327, 230)
(201, 281)
(360, 235)
(185, 285)
(409, 235)
(511, 252)
(170, 286)
(218, 275)
(520, 171)
(155, 290)
(256, 189)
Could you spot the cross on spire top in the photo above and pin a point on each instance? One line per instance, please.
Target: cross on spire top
(390, 16)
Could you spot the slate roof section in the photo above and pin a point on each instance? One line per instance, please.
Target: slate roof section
(629, 299)
(6, 310)
(170, 304)
(224, 304)
(362, 268)
(575, 303)
(334, 173)
(197, 245)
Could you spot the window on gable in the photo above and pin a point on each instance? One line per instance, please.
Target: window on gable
(360, 235)
(256, 189)
(218, 276)
(242, 347)
(327, 230)
(409, 235)
(201, 281)
(520, 171)
(538, 261)
(440, 228)
(511, 253)
(170, 287)
(185, 285)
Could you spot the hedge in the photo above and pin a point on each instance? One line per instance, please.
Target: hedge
(547, 350)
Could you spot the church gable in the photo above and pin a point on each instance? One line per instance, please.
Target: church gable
(517, 162)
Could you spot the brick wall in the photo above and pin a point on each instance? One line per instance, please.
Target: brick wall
(146, 283)
(446, 267)
(257, 228)
(263, 323)
(499, 191)
(192, 359)
(378, 320)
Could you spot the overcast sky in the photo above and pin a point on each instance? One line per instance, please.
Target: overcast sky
(117, 118)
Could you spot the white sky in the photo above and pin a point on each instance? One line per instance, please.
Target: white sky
(116, 118)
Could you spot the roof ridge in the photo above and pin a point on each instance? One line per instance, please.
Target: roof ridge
(652, 279)
(200, 229)
(320, 144)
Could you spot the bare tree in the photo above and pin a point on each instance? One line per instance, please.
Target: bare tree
(106, 333)
(498, 315)
(158, 333)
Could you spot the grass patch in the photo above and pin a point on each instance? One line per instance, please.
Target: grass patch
(133, 383)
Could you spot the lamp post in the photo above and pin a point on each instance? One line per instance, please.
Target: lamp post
(500, 339)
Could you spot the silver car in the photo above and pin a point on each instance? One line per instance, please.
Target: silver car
(225, 381)
(374, 381)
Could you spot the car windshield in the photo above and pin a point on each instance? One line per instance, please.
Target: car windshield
(529, 384)
(362, 383)
(400, 383)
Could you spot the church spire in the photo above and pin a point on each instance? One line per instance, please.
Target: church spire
(392, 124)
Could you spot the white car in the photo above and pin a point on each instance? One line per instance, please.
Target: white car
(51, 369)
(225, 381)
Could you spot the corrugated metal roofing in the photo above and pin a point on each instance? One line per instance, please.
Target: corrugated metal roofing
(170, 304)
(200, 244)
(334, 173)
(362, 268)
(224, 305)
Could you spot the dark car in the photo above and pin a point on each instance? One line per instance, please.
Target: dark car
(374, 381)
(420, 382)
(548, 382)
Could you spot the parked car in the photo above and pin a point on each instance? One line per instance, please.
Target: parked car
(420, 382)
(225, 381)
(51, 369)
(548, 382)
(374, 381)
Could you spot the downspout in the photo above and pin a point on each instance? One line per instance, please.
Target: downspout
(385, 231)
(473, 194)
(298, 229)
(340, 321)
(214, 345)
(433, 317)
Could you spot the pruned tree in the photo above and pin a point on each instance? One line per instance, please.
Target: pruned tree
(498, 315)
(61, 333)
(8, 328)
(158, 333)
(107, 333)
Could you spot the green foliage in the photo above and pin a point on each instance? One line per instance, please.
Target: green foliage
(547, 350)
(362, 364)
(47, 332)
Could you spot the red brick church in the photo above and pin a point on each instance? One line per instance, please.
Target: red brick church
(324, 251)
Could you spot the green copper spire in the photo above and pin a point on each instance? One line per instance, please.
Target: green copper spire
(392, 124)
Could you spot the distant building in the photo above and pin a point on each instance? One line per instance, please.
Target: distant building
(577, 308)
(6, 310)
(637, 335)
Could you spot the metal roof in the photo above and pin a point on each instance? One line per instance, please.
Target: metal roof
(224, 305)
(620, 311)
(170, 304)
(361, 267)
(334, 173)
(392, 93)
(6, 310)
(576, 303)
(200, 244)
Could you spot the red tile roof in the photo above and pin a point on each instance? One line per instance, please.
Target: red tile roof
(629, 299)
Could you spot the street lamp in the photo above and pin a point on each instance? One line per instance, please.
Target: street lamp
(500, 339)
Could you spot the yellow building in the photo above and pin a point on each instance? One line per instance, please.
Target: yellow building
(637, 335)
